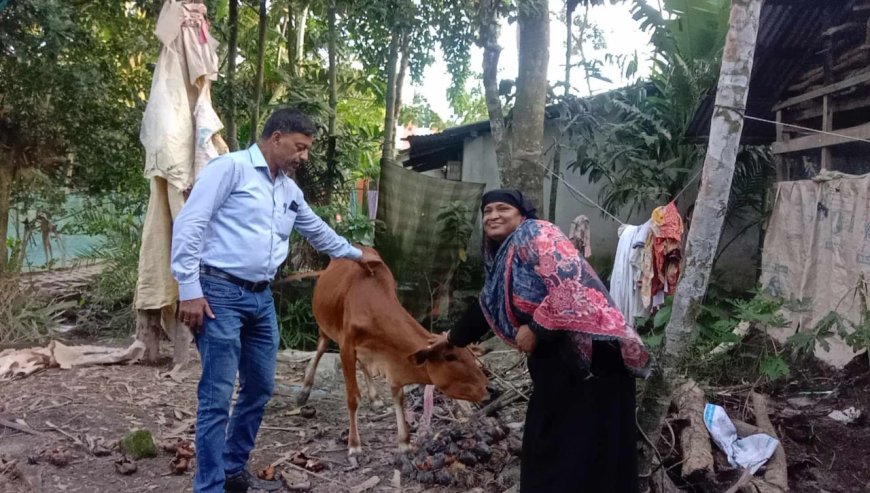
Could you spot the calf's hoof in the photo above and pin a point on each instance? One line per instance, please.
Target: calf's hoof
(302, 398)
(354, 450)
(406, 448)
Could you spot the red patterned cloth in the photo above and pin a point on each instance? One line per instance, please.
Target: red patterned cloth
(667, 226)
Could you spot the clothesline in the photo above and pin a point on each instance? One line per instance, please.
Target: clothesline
(791, 125)
(578, 192)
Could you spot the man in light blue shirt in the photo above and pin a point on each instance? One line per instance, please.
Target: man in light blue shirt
(228, 242)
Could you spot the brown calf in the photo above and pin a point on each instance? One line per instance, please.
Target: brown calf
(361, 312)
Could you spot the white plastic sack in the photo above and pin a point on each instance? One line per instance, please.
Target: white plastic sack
(747, 453)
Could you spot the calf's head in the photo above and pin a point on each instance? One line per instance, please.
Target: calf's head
(454, 371)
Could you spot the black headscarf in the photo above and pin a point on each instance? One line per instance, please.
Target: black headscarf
(512, 197)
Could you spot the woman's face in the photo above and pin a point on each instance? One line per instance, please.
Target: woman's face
(500, 220)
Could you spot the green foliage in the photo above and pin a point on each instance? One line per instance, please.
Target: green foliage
(804, 343)
(720, 314)
(74, 79)
(773, 367)
(118, 253)
(456, 222)
(635, 147)
(297, 328)
(354, 226)
(420, 113)
(469, 106)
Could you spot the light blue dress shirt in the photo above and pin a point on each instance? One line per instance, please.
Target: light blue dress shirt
(239, 220)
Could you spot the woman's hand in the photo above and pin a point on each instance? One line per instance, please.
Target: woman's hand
(526, 339)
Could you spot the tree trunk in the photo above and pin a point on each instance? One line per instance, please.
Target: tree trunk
(5, 207)
(258, 82)
(300, 23)
(291, 40)
(526, 169)
(706, 228)
(557, 153)
(389, 149)
(331, 164)
(583, 60)
(403, 71)
(232, 52)
(489, 32)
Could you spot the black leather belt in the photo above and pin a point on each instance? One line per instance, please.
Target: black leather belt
(254, 287)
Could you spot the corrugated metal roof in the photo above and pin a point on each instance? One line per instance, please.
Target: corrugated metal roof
(789, 38)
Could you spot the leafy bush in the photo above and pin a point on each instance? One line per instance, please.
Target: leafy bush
(297, 328)
(25, 317)
(118, 252)
(720, 314)
(855, 334)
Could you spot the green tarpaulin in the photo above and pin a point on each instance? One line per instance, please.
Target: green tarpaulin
(413, 241)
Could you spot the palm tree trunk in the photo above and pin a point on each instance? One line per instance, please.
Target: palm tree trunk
(403, 70)
(707, 219)
(331, 164)
(300, 23)
(557, 153)
(291, 40)
(258, 82)
(232, 52)
(389, 148)
(5, 208)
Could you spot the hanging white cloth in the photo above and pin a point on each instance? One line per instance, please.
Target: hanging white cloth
(169, 127)
(627, 269)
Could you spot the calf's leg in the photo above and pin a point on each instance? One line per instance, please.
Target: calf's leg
(371, 390)
(348, 367)
(404, 434)
(311, 370)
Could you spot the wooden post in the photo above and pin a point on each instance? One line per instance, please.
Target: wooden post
(827, 126)
(780, 161)
(705, 232)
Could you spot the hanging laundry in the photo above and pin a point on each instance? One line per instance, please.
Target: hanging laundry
(627, 275)
(579, 235)
(667, 236)
(169, 126)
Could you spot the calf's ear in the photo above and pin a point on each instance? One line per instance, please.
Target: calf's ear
(420, 356)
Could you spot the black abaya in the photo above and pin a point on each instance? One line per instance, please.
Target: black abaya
(580, 432)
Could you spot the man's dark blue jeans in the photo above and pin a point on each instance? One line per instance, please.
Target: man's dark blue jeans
(243, 339)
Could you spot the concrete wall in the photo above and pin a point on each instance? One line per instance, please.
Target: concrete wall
(479, 165)
(736, 268)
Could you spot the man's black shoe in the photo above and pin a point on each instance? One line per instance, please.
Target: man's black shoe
(239, 483)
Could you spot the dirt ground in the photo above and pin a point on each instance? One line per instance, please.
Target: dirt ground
(94, 403)
(103, 403)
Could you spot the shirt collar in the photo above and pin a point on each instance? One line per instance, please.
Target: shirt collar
(257, 158)
(259, 161)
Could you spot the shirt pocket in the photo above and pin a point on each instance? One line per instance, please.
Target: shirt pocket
(284, 224)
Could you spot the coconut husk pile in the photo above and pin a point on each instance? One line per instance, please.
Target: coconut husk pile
(464, 455)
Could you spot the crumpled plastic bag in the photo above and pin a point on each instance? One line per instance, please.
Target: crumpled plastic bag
(750, 452)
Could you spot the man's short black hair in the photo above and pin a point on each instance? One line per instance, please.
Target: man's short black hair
(289, 121)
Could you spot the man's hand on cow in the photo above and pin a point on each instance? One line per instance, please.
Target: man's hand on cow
(526, 339)
(190, 313)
